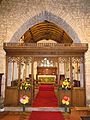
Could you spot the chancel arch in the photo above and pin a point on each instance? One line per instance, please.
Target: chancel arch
(46, 54)
(39, 18)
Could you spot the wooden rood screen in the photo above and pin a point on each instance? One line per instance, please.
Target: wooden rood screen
(22, 62)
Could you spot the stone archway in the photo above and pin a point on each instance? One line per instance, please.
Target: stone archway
(41, 17)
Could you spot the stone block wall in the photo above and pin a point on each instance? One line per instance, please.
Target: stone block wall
(16, 16)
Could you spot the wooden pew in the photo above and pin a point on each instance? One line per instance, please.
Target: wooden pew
(78, 112)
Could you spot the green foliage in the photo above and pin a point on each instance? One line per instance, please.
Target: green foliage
(65, 85)
(24, 85)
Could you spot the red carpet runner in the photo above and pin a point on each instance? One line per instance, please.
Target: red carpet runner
(46, 98)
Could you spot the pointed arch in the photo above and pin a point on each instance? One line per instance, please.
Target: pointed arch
(44, 15)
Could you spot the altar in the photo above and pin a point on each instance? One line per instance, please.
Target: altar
(46, 79)
(46, 75)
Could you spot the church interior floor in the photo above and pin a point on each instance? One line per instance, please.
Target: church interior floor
(8, 115)
(16, 113)
(50, 111)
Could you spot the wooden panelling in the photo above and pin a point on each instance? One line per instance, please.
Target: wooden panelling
(81, 111)
(11, 96)
(78, 96)
(63, 93)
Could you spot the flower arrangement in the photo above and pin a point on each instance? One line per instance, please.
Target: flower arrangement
(24, 85)
(65, 84)
(66, 102)
(24, 100)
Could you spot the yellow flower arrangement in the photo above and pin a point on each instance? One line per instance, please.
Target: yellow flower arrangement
(24, 85)
(65, 85)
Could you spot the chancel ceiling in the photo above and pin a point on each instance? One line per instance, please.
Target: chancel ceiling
(48, 31)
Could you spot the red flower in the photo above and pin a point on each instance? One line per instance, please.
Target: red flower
(66, 98)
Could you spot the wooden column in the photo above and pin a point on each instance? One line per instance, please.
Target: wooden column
(19, 71)
(32, 81)
(19, 75)
(71, 79)
(71, 76)
(84, 82)
(58, 74)
(6, 72)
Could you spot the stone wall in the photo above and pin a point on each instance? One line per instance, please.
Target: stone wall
(16, 16)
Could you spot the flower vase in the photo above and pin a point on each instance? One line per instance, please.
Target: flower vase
(23, 107)
(65, 109)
